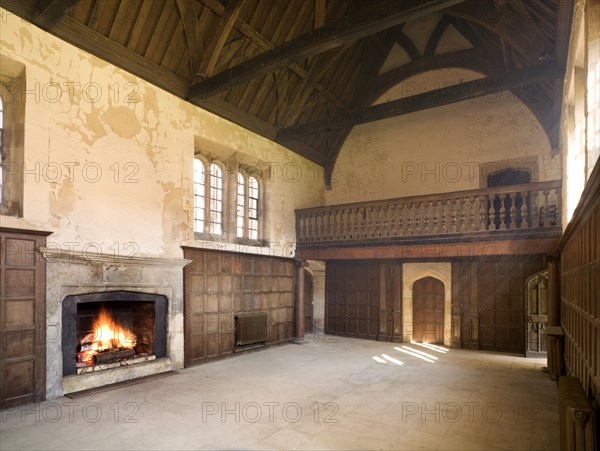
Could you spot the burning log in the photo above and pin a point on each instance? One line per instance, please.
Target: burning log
(112, 356)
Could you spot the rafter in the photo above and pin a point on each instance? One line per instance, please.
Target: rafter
(192, 33)
(405, 42)
(504, 23)
(213, 50)
(349, 29)
(431, 99)
(49, 12)
(436, 35)
(243, 27)
(320, 12)
(472, 59)
(305, 90)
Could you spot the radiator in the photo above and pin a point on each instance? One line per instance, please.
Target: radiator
(250, 328)
(576, 416)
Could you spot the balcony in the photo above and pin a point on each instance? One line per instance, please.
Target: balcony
(516, 212)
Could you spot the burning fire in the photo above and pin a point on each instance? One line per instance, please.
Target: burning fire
(107, 335)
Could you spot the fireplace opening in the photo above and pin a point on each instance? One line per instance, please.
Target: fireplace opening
(111, 329)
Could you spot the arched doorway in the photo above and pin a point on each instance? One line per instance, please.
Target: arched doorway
(428, 310)
(308, 302)
(537, 314)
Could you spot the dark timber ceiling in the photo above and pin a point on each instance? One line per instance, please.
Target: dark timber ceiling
(304, 72)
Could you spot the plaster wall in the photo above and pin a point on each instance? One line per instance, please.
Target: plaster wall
(443, 149)
(108, 158)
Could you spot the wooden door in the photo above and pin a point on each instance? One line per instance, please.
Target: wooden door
(22, 318)
(428, 310)
(308, 302)
(537, 314)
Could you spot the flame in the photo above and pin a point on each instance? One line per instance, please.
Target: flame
(107, 335)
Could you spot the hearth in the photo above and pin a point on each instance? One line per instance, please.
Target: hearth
(110, 329)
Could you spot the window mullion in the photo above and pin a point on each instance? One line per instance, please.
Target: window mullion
(207, 187)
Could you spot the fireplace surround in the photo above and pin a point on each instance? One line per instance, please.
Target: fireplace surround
(71, 274)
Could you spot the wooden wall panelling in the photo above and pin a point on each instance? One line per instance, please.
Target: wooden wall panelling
(218, 285)
(580, 289)
(501, 289)
(22, 318)
(353, 299)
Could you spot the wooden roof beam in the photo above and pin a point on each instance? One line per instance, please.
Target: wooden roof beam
(348, 29)
(213, 50)
(243, 27)
(191, 29)
(432, 99)
(48, 13)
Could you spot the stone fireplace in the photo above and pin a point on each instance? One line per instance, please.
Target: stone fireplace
(142, 294)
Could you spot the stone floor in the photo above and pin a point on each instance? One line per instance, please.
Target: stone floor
(331, 393)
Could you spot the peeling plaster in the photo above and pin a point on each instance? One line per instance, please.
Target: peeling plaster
(142, 140)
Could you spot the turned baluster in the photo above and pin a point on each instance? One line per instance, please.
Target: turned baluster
(503, 212)
(347, 225)
(513, 210)
(492, 213)
(453, 203)
(385, 226)
(444, 219)
(376, 222)
(354, 223)
(333, 225)
(472, 206)
(401, 219)
(462, 214)
(391, 219)
(409, 219)
(535, 211)
(307, 231)
(482, 216)
(524, 211)
(435, 213)
(369, 222)
(417, 227)
(363, 222)
(426, 218)
(546, 209)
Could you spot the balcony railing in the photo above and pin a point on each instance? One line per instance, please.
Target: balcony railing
(532, 206)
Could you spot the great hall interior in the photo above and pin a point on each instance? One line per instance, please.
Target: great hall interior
(194, 183)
